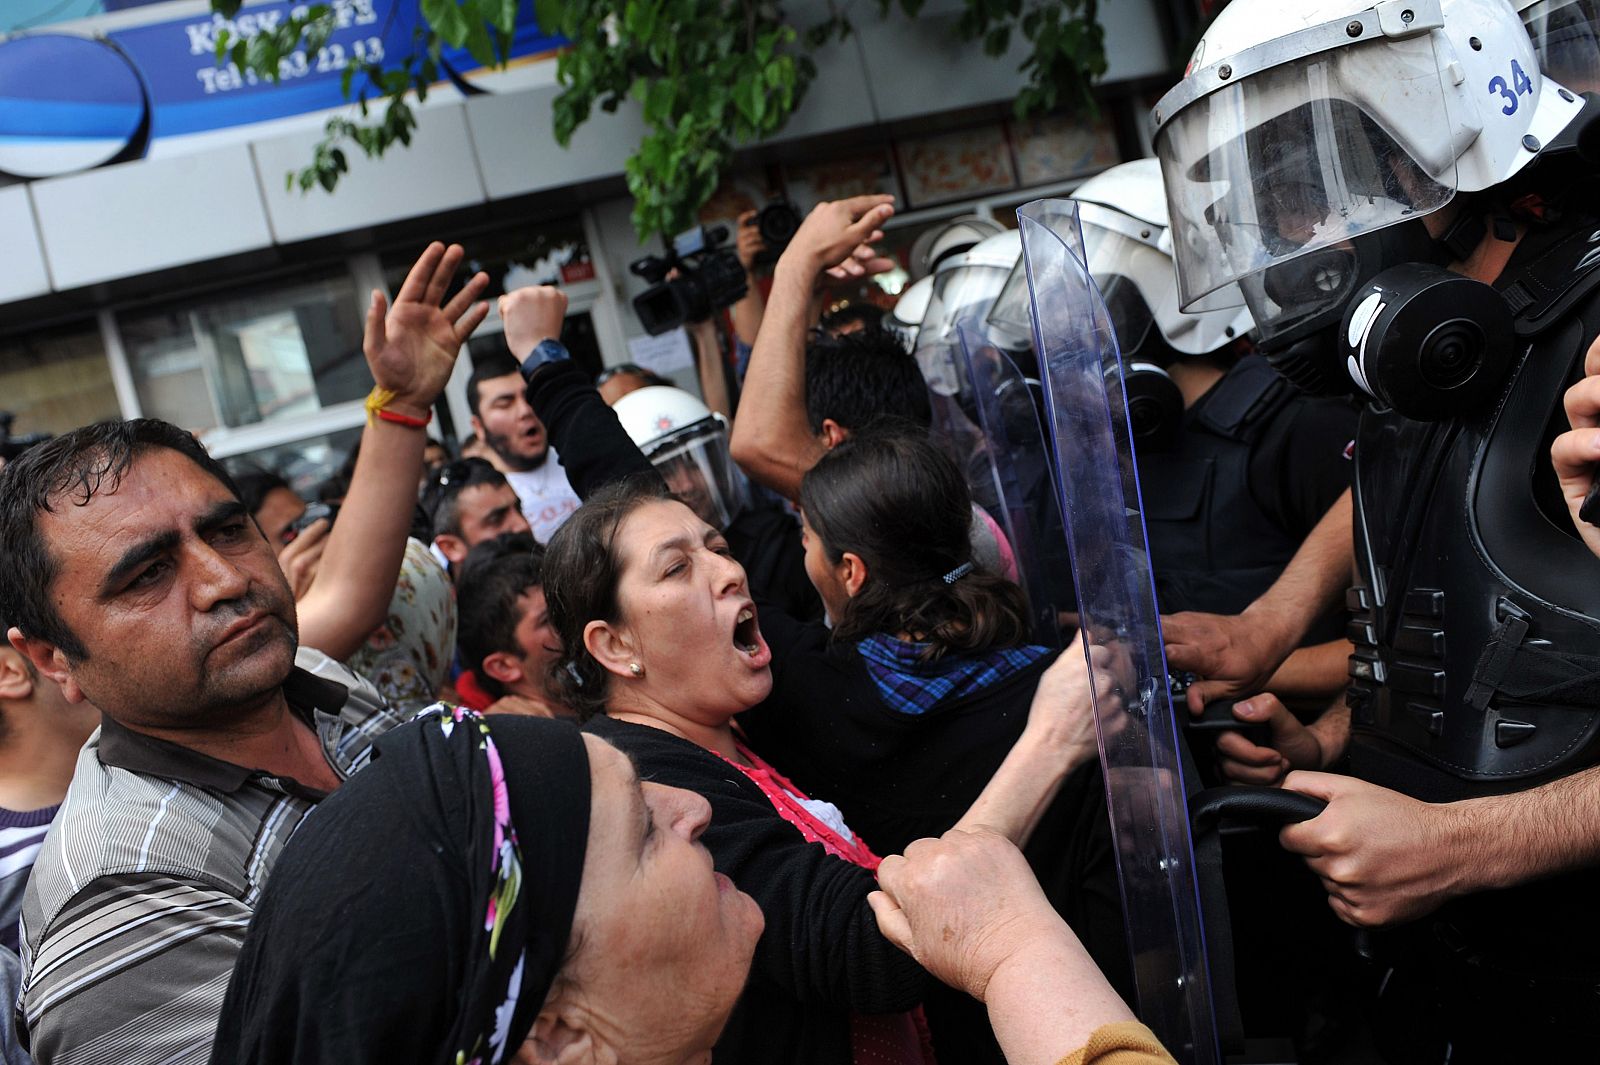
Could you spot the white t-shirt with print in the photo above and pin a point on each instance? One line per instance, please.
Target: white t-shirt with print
(547, 498)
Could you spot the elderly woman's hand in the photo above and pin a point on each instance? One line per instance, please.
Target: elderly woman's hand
(968, 908)
(963, 905)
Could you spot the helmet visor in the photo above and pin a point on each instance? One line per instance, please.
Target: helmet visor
(698, 469)
(961, 293)
(1303, 156)
(1010, 314)
(1566, 37)
(1119, 250)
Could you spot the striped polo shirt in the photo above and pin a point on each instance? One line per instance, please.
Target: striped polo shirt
(21, 835)
(146, 881)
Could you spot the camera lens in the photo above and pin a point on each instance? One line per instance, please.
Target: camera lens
(1451, 354)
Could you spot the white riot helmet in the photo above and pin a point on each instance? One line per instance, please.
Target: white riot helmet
(1566, 38)
(1304, 126)
(905, 319)
(965, 288)
(959, 234)
(688, 444)
(1123, 212)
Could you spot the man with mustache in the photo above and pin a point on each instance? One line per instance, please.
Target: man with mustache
(135, 579)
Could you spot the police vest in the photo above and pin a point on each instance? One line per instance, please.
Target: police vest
(1212, 546)
(1477, 663)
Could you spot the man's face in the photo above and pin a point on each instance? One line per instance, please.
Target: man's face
(280, 509)
(508, 425)
(177, 597)
(487, 510)
(537, 643)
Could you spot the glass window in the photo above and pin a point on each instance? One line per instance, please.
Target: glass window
(250, 356)
(57, 379)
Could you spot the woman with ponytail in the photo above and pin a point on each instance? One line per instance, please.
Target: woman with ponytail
(903, 712)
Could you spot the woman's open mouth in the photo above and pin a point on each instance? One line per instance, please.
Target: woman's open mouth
(748, 640)
(746, 635)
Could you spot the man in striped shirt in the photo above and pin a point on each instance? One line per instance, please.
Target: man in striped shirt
(135, 579)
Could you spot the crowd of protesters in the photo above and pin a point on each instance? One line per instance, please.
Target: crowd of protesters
(646, 727)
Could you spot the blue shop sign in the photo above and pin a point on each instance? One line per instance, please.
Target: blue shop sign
(64, 100)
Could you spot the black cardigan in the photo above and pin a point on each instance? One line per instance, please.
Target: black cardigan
(821, 957)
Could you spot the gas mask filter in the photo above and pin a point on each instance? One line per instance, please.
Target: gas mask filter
(1299, 303)
(1155, 406)
(1427, 343)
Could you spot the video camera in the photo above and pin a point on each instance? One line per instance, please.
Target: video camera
(12, 446)
(710, 277)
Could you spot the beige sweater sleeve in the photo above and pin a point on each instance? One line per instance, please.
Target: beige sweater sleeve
(1123, 1043)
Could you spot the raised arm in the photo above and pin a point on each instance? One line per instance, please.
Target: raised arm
(411, 351)
(752, 305)
(772, 441)
(594, 448)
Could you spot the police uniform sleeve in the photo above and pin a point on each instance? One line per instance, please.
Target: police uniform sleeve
(1301, 465)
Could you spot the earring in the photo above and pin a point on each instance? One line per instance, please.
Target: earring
(636, 669)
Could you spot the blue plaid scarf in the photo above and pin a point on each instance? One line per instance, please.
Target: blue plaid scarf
(911, 686)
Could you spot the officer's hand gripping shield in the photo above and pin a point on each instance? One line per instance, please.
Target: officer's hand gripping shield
(1023, 474)
(1139, 742)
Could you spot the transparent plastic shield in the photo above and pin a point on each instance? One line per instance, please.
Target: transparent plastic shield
(1024, 478)
(1139, 742)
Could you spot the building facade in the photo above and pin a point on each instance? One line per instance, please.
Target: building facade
(158, 263)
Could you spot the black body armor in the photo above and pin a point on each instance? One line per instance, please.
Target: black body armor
(1477, 663)
(1212, 546)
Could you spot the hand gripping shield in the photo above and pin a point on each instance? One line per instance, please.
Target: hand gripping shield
(1024, 477)
(1139, 742)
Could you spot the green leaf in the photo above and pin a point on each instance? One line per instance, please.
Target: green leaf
(502, 15)
(447, 21)
(549, 14)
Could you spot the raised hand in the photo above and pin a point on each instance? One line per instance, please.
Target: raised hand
(411, 348)
(833, 234)
(532, 315)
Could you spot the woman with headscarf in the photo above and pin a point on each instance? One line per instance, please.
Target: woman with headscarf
(663, 649)
(489, 891)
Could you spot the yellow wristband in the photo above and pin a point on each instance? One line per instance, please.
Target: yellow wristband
(378, 399)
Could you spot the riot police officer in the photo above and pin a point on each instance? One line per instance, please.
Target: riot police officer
(1236, 465)
(1399, 192)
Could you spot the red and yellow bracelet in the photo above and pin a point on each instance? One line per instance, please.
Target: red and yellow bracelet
(378, 401)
